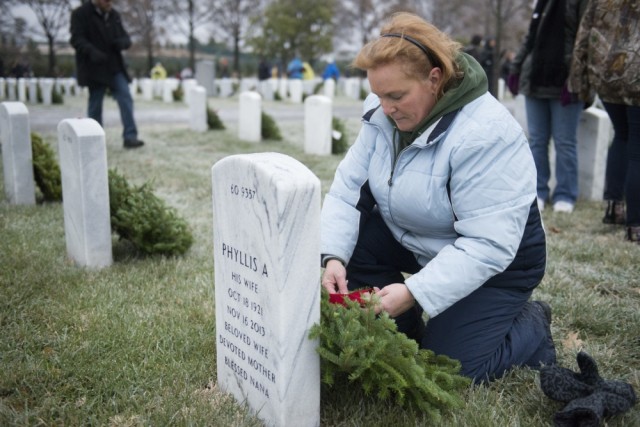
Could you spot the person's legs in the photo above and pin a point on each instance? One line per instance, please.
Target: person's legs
(379, 260)
(632, 186)
(616, 171)
(539, 129)
(122, 95)
(564, 127)
(94, 108)
(490, 331)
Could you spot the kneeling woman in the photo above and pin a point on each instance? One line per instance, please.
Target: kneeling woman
(440, 186)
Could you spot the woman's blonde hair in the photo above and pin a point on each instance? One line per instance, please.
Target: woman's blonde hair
(417, 45)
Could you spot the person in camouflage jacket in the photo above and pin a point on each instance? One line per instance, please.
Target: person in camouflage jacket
(607, 62)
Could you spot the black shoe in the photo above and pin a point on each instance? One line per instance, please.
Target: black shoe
(633, 234)
(614, 213)
(546, 352)
(133, 143)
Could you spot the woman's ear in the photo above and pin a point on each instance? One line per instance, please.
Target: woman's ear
(435, 76)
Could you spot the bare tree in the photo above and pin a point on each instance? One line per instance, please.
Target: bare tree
(186, 17)
(52, 16)
(233, 18)
(501, 14)
(364, 17)
(141, 17)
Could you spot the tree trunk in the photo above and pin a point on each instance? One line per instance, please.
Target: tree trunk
(52, 56)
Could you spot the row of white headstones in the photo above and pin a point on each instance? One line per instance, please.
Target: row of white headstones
(266, 257)
(293, 90)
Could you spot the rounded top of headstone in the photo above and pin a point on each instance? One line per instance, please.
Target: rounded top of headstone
(250, 94)
(318, 100)
(281, 169)
(13, 108)
(81, 127)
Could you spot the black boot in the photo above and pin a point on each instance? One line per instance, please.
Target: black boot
(614, 213)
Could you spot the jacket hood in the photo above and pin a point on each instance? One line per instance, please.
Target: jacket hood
(472, 85)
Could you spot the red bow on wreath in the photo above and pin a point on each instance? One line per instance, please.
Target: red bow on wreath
(361, 296)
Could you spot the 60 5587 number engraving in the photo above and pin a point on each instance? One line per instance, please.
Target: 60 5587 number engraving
(244, 192)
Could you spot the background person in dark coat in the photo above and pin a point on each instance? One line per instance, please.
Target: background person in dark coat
(98, 37)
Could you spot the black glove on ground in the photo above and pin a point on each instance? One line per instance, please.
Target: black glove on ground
(589, 411)
(590, 397)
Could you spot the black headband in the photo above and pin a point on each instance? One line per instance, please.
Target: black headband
(416, 43)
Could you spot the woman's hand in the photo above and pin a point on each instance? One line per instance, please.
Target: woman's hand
(395, 299)
(334, 278)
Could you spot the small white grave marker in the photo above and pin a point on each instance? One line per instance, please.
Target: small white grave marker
(11, 89)
(250, 118)
(17, 158)
(594, 137)
(295, 90)
(22, 90)
(329, 88)
(198, 109)
(317, 125)
(85, 192)
(147, 88)
(46, 87)
(267, 285)
(33, 90)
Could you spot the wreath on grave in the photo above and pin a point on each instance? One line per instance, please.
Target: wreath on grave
(339, 142)
(213, 120)
(269, 128)
(46, 172)
(358, 347)
(137, 214)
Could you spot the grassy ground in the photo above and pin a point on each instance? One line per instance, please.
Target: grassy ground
(133, 344)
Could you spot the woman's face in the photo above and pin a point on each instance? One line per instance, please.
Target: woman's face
(407, 101)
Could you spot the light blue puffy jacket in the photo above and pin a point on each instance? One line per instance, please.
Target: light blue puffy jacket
(461, 198)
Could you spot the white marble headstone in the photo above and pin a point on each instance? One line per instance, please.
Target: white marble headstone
(11, 89)
(317, 125)
(329, 88)
(205, 75)
(33, 90)
(3, 90)
(198, 109)
(283, 88)
(266, 210)
(225, 85)
(266, 89)
(295, 90)
(594, 137)
(46, 86)
(187, 85)
(133, 88)
(17, 157)
(169, 85)
(147, 88)
(85, 192)
(250, 117)
(69, 86)
(352, 87)
(22, 89)
(248, 83)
